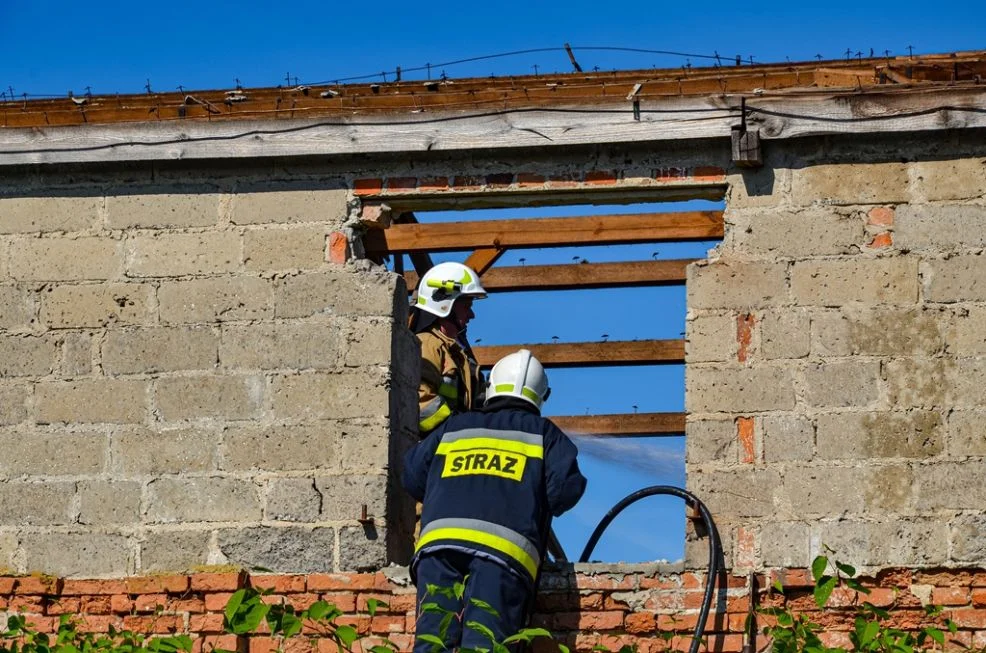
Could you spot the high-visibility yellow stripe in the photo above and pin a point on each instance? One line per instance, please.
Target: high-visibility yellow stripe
(529, 450)
(431, 422)
(486, 539)
(449, 391)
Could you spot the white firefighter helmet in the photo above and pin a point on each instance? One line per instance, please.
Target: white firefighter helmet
(443, 284)
(519, 375)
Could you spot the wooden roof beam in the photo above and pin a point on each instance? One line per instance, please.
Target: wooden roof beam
(577, 276)
(625, 425)
(591, 354)
(546, 232)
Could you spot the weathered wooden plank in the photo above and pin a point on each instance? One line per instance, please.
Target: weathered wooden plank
(580, 275)
(483, 259)
(635, 424)
(546, 232)
(591, 354)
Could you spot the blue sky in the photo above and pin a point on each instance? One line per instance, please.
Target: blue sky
(110, 46)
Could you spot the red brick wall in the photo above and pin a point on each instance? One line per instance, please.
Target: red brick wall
(584, 609)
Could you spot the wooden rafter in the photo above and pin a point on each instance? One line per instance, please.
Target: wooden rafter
(580, 276)
(591, 354)
(483, 259)
(636, 424)
(547, 232)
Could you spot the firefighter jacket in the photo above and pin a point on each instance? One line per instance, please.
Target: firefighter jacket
(490, 482)
(450, 379)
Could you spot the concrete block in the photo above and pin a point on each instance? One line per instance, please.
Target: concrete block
(959, 278)
(811, 492)
(968, 389)
(22, 215)
(342, 496)
(282, 550)
(836, 282)
(736, 493)
(17, 308)
(36, 504)
(160, 349)
(950, 486)
(194, 301)
(362, 548)
(371, 342)
(967, 534)
(356, 393)
(737, 284)
(52, 453)
(858, 436)
(711, 338)
(100, 400)
(66, 259)
(738, 389)
(955, 179)
(963, 331)
(76, 354)
(174, 551)
(803, 234)
(196, 206)
(13, 400)
(758, 187)
(841, 384)
(82, 555)
(895, 332)
(293, 499)
(9, 546)
(787, 437)
(942, 227)
(785, 334)
(850, 183)
(712, 440)
(94, 306)
(300, 248)
(290, 204)
(364, 445)
(109, 502)
(198, 397)
(919, 382)
(966, 433)
(281, 345)
(830, 334)
(142, 452)
(889, 490)
(341, 292)
(283, 448)
(875, 544)
(26, 355)
(212, 499)
(180, 254)
(784, 544)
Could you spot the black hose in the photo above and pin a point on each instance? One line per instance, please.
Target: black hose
(715, 546)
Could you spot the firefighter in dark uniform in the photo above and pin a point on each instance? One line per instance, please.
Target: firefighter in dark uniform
(490, 482)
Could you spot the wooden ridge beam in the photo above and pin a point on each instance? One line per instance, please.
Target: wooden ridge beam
(591, 354)
(546, 232)
(625, 425)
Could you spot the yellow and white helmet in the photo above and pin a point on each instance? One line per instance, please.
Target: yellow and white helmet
(519, 375)
(443, 284)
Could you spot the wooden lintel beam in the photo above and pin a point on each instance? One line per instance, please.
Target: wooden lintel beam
(483, 259)
(547, 232)
(636, 424)
(591, 354)
(580, 276)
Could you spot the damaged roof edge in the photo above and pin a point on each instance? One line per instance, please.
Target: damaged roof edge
(775, 115)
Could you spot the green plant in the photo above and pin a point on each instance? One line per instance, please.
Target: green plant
(797, 633)
(21, 637)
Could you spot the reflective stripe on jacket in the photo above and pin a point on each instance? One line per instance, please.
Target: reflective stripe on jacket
(489, 481)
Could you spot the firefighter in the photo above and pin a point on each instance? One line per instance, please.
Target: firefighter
(490, 481)
(450, 378)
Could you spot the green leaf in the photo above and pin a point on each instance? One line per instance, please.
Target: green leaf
(482, 629)
(459, 589)
(234, 604)
(443, 626)
(483, 605)
(382, 649)
(952, 626)
(823, 589)
(854, 584)
(936, 635)
(500, 648)
(431, 606)
(600, 647)
(319, 609)
(431, 639)
(373, 604)
(291, 625)
(848, 570)
(818, 567)
(562, 648)
(347, 635)
(869, 633)
(778, 586)
(535, 632)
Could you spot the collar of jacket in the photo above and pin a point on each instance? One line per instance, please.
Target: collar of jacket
(509, 403)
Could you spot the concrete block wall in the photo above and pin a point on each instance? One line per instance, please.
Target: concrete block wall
(190, 375)
(836, 353)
